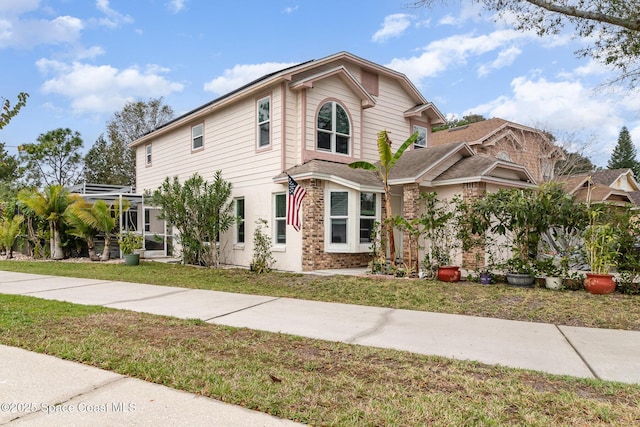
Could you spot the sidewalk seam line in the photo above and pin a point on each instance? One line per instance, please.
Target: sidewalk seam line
(179, 291)
(595, 375)
(242, 309)
(67, 287)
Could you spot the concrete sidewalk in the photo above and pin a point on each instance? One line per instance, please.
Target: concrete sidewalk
(579, 352)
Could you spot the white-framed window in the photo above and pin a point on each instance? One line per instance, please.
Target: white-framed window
(197, 137)
(280, 218)
(368, 215)
(147, 154)
(421, 142)
(240, 220)
(350, 216)
(264, 120)
(333, 129)
(339, 217)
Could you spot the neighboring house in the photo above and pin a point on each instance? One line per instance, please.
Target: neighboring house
(616, 186)
(310, 121)
(507, 141)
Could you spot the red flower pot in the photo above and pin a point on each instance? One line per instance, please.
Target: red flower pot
(599, 283)
(449, 273)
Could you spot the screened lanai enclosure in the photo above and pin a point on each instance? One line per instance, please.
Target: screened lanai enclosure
(139, 218)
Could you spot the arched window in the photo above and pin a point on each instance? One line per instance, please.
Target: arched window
(333, 129)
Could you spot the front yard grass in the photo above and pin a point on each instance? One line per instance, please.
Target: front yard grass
(310, 381)
(572, 308)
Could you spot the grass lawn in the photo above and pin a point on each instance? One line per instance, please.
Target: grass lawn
(310, 381)
(573, 308)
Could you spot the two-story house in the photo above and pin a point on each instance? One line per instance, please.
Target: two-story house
(310, 121)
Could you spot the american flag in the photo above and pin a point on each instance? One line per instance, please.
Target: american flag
(296, 194)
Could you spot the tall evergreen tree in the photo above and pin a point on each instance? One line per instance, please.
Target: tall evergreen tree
(624, 154)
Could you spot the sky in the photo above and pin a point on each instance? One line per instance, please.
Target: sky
(82, 60)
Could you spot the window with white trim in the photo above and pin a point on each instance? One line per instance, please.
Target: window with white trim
(264, 119)
(197, 137)
(240, 220)
(367, 216)
(333, 129)
(147, 153)
(421, 142)
(280, 218)
(339, 216)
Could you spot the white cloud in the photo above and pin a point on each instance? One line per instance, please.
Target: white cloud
(439, 55)
(29, 33)
(103, 88)
(504, 59)
(566, 106)
(176, 6)
(393, 26)
(289, 10)
(242, 74)
(16, 8)
(113, 18)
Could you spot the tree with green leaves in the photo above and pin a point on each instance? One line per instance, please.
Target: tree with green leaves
(110, 160)
(51, 205)
(388, 160)
(9, 112)
(89, 220)
(10, 229)
(610, 28)
(624, 154)
(56, 158)
(200, 211)
(454, 123)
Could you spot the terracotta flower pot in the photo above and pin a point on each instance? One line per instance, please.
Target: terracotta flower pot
(449, 273)
(599, 283)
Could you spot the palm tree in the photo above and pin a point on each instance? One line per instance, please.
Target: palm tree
(387, 161)
(102, 218)
(50, 205)
(9, 231)
(80, 228)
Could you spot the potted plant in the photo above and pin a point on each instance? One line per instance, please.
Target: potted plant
(438, 222)
(519, 272)
(129, 242)
(601, 244)
(551, 272)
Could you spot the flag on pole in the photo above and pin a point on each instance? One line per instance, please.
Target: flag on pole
(294, 201)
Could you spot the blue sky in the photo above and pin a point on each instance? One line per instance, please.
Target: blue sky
(81, 60)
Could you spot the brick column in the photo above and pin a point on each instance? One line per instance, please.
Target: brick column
(475, 257)
(313, 224)
(410, 208)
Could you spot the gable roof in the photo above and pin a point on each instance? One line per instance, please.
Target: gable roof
(597, 186)
(289, 75)
(432, 166)
(489, 131)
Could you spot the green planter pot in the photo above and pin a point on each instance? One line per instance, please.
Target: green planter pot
(132, 259)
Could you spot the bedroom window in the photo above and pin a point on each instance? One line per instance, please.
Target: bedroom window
(333, 129)
(264, 115)
(339, 215)
(421, 142)
(197, 138)
(147, 150)
(367, 216)
(240, 220)
(280, 218)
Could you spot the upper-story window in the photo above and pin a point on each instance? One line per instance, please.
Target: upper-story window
(197, 137)
(421, 142)
(147, 151)
(333, 129)
(264, 118)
